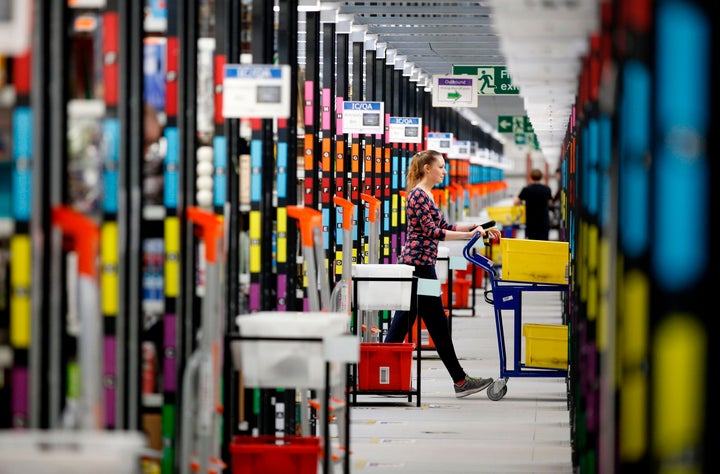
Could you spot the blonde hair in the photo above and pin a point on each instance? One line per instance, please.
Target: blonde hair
(416, 169)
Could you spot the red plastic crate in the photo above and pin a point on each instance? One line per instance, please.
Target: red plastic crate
(461, 293)
(385, 365)
(468, 274)
(264, 455)
(461, 289)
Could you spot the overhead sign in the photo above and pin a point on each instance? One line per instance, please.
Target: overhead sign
(405, 130)
(514, 124)
(492, 80)
(454, 91)
(363, 117)
(256, 91)
(440, 142)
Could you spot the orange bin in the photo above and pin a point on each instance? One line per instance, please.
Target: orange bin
(269, 454)
(461, 293)
(467, 275)
(385, 366)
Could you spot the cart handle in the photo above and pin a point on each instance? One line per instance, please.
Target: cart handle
(374, 205)
(487, 225)
(347, 207)
(308, 218)
(478, 260)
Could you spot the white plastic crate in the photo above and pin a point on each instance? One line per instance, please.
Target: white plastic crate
(285, 363)
(383, 294)
(71, 452)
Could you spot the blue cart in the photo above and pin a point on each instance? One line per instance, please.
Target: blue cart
(507, 295)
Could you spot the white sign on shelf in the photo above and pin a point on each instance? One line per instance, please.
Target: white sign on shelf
(405, 130)
(460, 150)
(440, 142)
(363, 117)
(256, 91)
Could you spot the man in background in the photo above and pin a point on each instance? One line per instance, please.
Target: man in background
(538, 199)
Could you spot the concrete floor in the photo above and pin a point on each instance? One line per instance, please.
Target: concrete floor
(527, 431)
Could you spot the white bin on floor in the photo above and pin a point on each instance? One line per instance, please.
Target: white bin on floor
(71, 452)
(391, 291)
(285, 362)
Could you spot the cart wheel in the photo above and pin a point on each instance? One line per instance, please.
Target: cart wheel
(494, 393)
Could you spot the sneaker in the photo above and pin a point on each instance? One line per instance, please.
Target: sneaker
(471, 385)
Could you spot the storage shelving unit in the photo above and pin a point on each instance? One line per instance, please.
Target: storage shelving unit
(412, 307)
(305, 352)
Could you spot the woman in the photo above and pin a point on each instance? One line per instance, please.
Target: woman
(425, 227)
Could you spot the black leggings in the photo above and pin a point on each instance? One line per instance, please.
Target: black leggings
(433, 313)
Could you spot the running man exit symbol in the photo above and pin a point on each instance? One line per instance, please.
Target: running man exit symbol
(486, 81)
(519, 123)
(492, 80)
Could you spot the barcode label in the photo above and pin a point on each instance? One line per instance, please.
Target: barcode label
(384, 375)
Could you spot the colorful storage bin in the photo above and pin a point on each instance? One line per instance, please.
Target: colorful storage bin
(269, 454)
(546, 345)
(385, 366)
(542, 261)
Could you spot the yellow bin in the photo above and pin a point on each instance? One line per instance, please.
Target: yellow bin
(546, 345)
(507, 215)
(541, 261)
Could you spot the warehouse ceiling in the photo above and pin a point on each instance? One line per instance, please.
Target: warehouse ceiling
(541, 42)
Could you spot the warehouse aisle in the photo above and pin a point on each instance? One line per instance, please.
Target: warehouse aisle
(527, 431)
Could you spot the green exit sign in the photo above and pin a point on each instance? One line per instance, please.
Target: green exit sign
(492, 80)
(514, 124)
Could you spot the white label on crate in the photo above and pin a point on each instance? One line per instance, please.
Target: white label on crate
(279, 418)
(385, 375)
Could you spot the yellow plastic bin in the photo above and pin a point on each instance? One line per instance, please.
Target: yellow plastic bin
(542, 261)
(546, 345)
(507, 215)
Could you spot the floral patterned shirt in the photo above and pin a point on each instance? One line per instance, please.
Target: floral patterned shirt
(426, 225)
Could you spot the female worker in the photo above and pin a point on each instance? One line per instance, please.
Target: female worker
(425, 227)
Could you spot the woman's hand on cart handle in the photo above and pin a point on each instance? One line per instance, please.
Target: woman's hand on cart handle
(487, 229)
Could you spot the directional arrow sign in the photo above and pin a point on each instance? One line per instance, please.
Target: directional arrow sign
(505, 123)
(454, 91)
